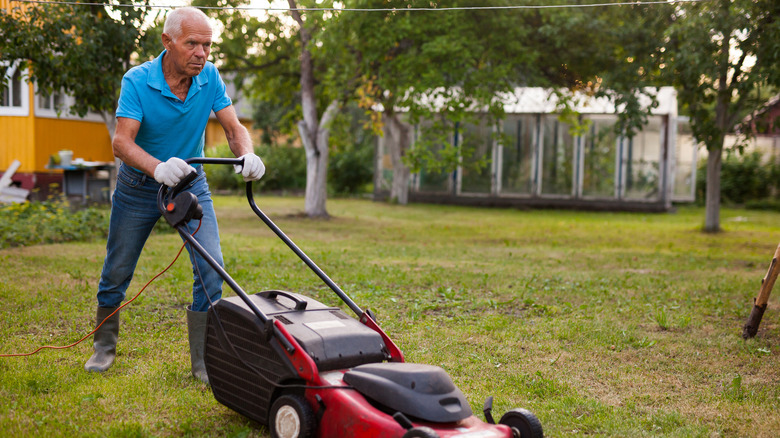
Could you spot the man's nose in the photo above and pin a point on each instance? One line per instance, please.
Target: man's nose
(200, 51)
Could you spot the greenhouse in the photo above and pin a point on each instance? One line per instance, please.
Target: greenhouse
(534, 159)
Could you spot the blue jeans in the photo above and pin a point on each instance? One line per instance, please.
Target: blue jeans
(133, 215)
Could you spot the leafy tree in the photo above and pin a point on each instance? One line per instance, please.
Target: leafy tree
(456, 67)
(418, 65)
(450, 67)
(82, 50)
(718, 53)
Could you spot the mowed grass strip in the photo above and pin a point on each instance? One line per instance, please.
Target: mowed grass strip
(602, 324)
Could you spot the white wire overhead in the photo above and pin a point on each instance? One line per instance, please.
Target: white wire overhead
(441, 9)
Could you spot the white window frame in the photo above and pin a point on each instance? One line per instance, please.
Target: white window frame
(53, 112)
(24, 109)
(63, 112)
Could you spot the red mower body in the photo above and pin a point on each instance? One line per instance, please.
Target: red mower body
(348, 414)
(343, 411)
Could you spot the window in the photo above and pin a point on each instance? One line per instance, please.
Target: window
(53, 102)
(475, 142)
(642, 161)
(14, 96)
(51, 105)
(57, 105)
(686, 149)
(557, 157)
(599, 157)
(517, 154)
(437, 136)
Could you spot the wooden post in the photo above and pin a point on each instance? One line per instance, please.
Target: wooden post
(751, 326)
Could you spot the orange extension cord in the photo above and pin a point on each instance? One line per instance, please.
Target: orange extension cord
(62, 347)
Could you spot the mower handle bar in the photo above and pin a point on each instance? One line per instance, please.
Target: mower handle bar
(250, 198)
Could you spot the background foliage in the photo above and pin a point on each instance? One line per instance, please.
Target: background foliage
(746, 180)
(350, 171)
(76, 49)
(35, 223)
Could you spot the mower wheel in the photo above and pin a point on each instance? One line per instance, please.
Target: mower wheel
(421, 432)
(292, 417)
(524, 424)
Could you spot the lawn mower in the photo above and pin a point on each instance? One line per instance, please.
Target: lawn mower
(304, 369)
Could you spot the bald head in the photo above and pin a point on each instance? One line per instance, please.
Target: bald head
(176, 20)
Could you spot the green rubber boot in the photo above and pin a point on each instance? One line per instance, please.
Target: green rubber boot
(105, 340)
(196, 332)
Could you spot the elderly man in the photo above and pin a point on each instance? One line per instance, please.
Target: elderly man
(163, 109)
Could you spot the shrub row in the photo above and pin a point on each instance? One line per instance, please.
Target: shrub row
(744, 181)
(350, 170)
(50, 221)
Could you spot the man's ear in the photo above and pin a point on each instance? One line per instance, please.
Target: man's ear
(166, 40)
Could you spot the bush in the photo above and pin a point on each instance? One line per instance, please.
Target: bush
(764, 204)
(350, 169)
(52, 221)
(285, 169)
(744, 179)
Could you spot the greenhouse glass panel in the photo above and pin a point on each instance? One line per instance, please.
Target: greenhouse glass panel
(557, 157)
(599, 157)
(642, 156)
(433, 180)
(517, 154)
(685, 165)
(476, 146)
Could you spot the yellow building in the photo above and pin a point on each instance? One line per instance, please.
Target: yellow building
(31, 130)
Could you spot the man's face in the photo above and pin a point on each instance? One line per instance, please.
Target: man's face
(190, 50)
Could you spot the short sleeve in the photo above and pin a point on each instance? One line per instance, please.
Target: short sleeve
(129, 104)
(221, 98)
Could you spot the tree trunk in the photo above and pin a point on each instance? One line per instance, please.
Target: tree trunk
(316, 148)
(313, 136)
(399, 140)
(712, 196)
(715, 144)
(110, 120)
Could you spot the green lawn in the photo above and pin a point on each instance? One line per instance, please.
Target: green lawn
(603, 324)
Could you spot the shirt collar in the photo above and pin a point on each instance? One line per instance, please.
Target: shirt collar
(156, 79)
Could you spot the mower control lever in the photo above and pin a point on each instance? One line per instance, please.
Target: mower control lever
(188, 178)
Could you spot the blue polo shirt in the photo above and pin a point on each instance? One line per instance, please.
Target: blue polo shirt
(170, 127)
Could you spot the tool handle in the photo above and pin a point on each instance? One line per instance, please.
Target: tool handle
(750, 328)
(208, 160)
(769, 279)
(290, 244)
(272, 294)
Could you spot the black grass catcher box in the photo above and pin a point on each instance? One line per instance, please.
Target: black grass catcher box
(244, 367)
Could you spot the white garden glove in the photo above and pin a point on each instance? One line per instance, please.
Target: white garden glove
(172, 171)
(253, 168)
